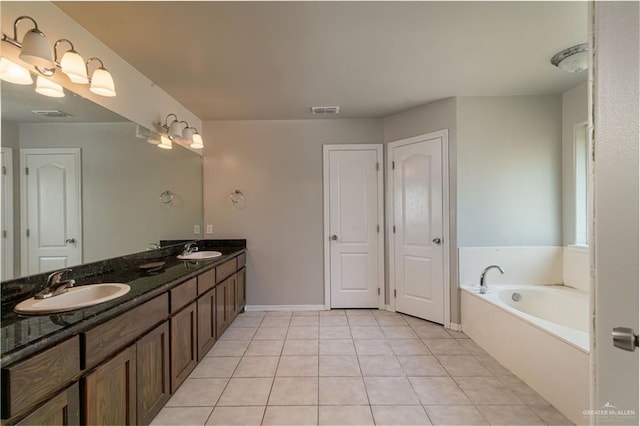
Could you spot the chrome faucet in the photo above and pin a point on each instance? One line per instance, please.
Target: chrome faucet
(189, 248)
(55, 285)
(483, 284)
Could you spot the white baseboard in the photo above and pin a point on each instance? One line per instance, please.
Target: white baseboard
(455, 327)
(285, 308)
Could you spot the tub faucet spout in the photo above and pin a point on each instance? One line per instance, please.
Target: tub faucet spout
(483, 283)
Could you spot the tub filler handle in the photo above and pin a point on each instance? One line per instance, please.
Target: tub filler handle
(624, 338)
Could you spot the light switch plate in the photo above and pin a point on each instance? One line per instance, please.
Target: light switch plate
(196, 229)
(209, 229)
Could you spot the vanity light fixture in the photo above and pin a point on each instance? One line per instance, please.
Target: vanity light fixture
(172, 130)
(574, 59)
(47, 87)
(72, 64)
(101, 80)
(35, 50)
(14, 73)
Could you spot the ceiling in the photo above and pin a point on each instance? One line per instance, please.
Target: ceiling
(274, 60)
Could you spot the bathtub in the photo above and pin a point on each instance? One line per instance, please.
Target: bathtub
(541, 334)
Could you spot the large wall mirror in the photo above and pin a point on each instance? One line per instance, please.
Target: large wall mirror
(94, 189)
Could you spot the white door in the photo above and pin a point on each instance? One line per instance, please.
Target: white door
(417, 227)
(353, 236)
(616, 254)
(51, 214)
(7, 213)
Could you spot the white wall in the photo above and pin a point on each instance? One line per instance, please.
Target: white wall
(278, 167)
(122, 179)
(138, 98)
(616, 112)
(509, 171)
(575, 103)
(426, 119)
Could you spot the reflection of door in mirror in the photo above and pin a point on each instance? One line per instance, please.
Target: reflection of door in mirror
(51, 209)
(7, 213)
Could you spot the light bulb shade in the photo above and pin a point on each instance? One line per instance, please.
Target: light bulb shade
(102, 83)
(187, 134)
(74, 67)
(175, 129)
(14, 73)
(36, 50)
(574, 59)
(197, 142)
(165, 143)
(48, 88)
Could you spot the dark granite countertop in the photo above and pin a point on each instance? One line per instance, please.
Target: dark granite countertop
(23, 335)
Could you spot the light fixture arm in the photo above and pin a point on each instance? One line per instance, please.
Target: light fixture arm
(14, 41)
(166, 121)
(55, 49)
(95, 59)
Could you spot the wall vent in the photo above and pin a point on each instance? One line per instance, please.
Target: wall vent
(51, 113)
(325, 110)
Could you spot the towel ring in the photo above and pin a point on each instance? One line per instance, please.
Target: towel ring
(166, 197)
(236, 196)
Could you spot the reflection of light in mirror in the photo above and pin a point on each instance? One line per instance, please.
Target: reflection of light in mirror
(14, 73)
(48, 88)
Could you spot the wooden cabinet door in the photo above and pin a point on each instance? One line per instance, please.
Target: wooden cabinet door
(62, 409)
(110, 391)
(242, 289)
(152, 365)
(232, 282)
(206, 322)
(184, 352)
(222, 307)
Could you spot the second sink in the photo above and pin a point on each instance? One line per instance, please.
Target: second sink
(200, 255)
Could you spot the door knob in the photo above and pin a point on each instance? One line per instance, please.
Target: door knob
(436, 240)
(624, 338)
(334, 237)
(70, 241)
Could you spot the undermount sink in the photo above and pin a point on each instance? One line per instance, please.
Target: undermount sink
(74, 298)
(200, 255)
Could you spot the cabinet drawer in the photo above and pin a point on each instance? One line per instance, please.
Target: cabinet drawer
(29, 381)
(63, 409)
(226, 269)
(106, 339)
(242, 260)
(183, 294)
(206, 281)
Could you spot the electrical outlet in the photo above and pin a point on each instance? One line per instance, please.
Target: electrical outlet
(209, 229)
(196, 229)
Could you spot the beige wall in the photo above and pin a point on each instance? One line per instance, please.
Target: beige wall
(122, 178)
(278, 167)
(426, 119)
(574, 111)
(509, 171)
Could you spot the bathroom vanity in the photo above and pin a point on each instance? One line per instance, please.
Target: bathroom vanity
(120, 361)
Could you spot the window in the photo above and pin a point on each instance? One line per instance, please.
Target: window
(581, 162)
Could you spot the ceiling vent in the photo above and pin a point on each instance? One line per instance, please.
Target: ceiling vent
(325, 110)
(51, 113)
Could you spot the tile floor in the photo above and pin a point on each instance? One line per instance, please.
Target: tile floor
(351, 367)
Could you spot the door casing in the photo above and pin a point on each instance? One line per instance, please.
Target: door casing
(444, 135)
(327, 223)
